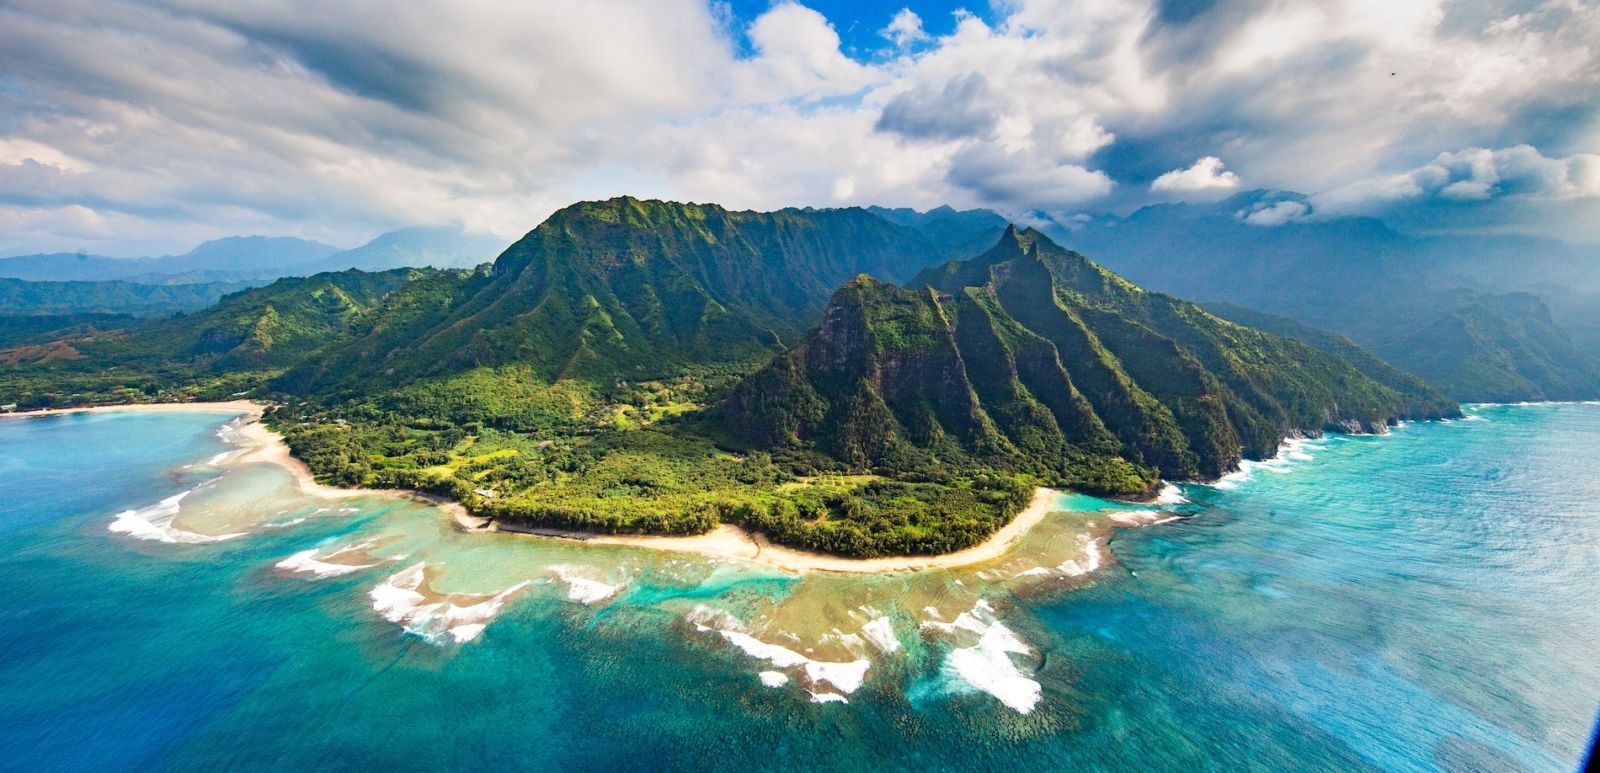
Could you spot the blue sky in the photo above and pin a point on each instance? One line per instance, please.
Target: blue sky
(859, 23)
(144, 126)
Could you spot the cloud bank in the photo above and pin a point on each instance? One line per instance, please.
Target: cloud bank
(134, 126)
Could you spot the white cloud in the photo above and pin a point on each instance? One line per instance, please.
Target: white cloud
(16, 152)
(199, 117)
(1474, 174)
(905, 29)
(1205, 176)
(1274, 213)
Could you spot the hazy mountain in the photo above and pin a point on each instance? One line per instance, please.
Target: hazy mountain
(421, 247)
(259, 258)
(263, 327)
(233, 258)
(1382, 288)
(956, 233)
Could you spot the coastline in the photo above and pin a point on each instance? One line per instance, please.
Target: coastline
(241, 406)
(727, 541)
(264, 446)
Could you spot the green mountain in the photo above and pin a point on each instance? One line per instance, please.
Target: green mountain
(21, 297)
(1032, 358)
(1368, 363)
(1454, 302)
(643, 366)
(1501, 348)
(624, 289)
(236, 342)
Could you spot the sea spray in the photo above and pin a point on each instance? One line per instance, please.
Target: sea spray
(154, 522)
(401, 599)
(987, 665)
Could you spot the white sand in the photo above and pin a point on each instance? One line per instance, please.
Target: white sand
(725, 541)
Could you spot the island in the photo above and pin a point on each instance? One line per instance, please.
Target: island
(829, 380)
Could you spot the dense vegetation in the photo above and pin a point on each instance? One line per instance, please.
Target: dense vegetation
(23, 298)
(623, 369)
(1032, 359)
(233, 347)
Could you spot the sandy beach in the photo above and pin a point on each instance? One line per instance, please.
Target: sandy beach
(231, 406)
(729, 541)
(724, 542)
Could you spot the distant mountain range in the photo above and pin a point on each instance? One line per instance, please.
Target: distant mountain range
(19, 297)
(1496, 318)
(259, 259)
(1483, 317)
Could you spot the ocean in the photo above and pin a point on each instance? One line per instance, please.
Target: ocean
(1420, 601)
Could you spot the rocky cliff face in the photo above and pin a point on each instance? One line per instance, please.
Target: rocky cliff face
(1033, 358)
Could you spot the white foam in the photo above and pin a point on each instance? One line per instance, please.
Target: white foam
(306, 562)
(828, 697)
(1170, 494)
(399, 599)
(880, 631)
(465, 623)
(966, 621)
(1135, 517)
(705, 618)
(582, 589)
(282, 524)
(396, 598)
(155, 523)
(220, 458)
(987, 666)
(773, 678)
(1092, 558)
(847, 677)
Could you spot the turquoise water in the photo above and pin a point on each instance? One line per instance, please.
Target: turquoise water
(1422, 601)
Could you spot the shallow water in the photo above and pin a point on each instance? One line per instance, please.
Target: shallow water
(1422, 601)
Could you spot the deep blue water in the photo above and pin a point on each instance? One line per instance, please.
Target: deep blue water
(1422, 601)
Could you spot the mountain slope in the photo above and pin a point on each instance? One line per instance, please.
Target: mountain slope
(1498, 349)
(1399, 295)
(629, 289)
(1421, 392)
(1033, 358)
(229, 345)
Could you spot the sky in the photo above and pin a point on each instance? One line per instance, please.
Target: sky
(134, 127)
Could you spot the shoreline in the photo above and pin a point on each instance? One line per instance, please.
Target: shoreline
(263, 446)
(727, 541)
(242, 406)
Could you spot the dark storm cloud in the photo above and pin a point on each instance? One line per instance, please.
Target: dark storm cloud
(961, 107)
